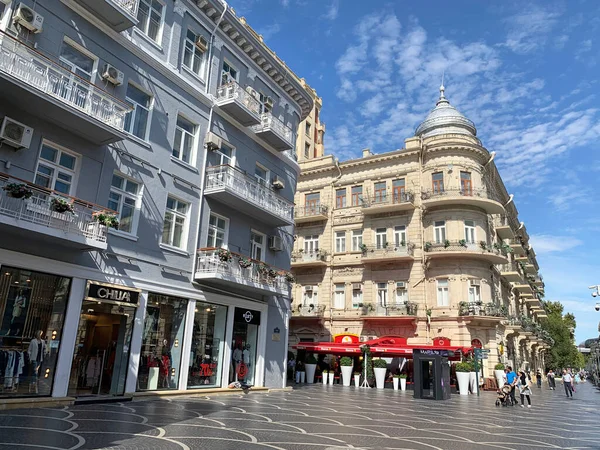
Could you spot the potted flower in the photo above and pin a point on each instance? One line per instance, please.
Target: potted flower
(324, 376)
(346, 364)
(462, 242)
(483, 245)
(224, 255)
(60, 205)
(363, 248)
(356, 379)
(18, 190)
(380, 368)
(107, 219)
(262, 269)
(427, 246)
(244, 262)
(289, 277)
(499, 373)
(310, 365)
(396, 380)
(403, 377)
(446, 243)
(463, 377)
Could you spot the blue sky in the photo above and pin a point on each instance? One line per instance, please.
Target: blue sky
(525, 72)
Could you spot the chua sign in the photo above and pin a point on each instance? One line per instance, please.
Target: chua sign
(111, 293)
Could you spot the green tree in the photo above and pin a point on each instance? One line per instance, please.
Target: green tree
(562, 329)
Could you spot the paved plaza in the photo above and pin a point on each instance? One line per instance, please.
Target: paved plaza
(312, 417)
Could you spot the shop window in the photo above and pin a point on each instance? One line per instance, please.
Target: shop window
(246, 324)
(33, 306)
(162, 342)
(206, 354)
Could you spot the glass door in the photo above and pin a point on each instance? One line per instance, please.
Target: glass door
(244, 346)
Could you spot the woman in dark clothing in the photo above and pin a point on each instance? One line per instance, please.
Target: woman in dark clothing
(524, 389)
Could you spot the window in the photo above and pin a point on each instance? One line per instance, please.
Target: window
(400, 236)
(261, 174)
(309, 295)
(76, 61)
(474, 294)
(466, 188)
(470, 231)
(442, 293)
(399, 190)
(174, 225)
(193, 57)
(401, 294)
(382, 294)
(150, 14)
(262, 101)
(340, 198)
(357, 295)
(380, 194)
(357, 240)
(311, 243)
(357, 197)
(124, 197)
(229, 74)
(307, 150)
(440, 231)
(340, 241)
(257, 245)
(339, 296)
(217, 231)
(311, 203)
(57, 170)
(221, 157)
(136, 122)
(381, 238)
(185, 136)
(438, 182)
(307, 128)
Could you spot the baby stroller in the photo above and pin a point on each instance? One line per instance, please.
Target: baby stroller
(503, 396)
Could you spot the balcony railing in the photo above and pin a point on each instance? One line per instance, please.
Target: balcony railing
(270, 123)
(249, 189)
(458, 192)
(509, 221)
(311, 310)
(37, 214)
(453, 246)
(388, 198)
(309, 257)
(131, 6)
(391, 309)
(242, 268)
(387, 251)
(309, 211)
(479, 309)
(37, 71)
(233, 93)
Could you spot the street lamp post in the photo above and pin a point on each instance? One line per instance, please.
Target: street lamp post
(596, 294)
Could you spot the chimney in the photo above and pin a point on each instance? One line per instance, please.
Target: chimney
(366, 152)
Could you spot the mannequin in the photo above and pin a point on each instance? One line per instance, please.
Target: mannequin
(237, 358)
(36, 352)
(16, 322)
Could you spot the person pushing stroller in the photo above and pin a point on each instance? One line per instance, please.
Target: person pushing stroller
(503, 396)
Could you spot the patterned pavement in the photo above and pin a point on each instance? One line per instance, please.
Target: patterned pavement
(312, 417)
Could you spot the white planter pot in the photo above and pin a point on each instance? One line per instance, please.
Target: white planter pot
(310, 372)
(302, 377)
(380, 377)
(403, 384)
(473, 382)
(395, 381)
(324, 380)
(500, 377)
(347, 375)
(463, 382)
(357, 380)
(331, 377)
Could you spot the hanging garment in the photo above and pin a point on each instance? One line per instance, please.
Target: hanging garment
(92, 371)
(10, 367)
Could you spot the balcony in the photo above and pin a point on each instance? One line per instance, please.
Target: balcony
(512, 272)
(35, 218)
(388, 202)
(120, 15)
(309, 259)
(274, 132)
(395, 312)
(487, 312)
(458, 249)
(223, 268)
(374, 254)
(244, 194)
(517, 247)
(523, 288)
(239, 104)
(480, 198)
(43, 88)
(308, 311)
(310, 213)
(506, 226)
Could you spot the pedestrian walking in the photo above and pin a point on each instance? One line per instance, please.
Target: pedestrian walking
(567, 379)
(551, 380)
(511, 379)
(524, 389)
(538, 378)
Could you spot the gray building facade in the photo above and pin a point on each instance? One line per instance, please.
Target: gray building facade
(175, 119)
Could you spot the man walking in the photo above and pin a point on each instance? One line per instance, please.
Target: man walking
(568, 383)
(511, 379)
(538, 378)
(551, 381)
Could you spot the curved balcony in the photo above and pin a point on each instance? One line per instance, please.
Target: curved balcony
(506, 226)
(308, 311)
(388, 202)
(310, 213)
(274, 132)
(512, 272)
(120, 15)
(477, 311)
(517, 247)
(479, 198)
(460, 249)
(239, 104)
(375, 254)
(392, 311)
(309, 259)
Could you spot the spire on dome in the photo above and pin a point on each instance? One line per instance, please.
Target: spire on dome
(442, 98)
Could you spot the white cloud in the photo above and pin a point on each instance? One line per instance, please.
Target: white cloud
(528, 30)
(285, 3)
(332, 11)
(545, 243)
(269, 31)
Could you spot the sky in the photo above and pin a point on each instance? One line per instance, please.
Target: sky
(525, 72)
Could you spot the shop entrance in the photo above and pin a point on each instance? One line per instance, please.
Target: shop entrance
(101, 349)
(245, 340)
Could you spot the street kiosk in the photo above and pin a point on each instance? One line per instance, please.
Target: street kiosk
(431, 374)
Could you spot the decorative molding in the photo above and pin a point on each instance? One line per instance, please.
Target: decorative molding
(179, 9)
(218, 43)
(252, 73)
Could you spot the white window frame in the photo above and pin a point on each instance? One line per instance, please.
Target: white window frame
(225, 230)
(68, 41)
(312, 299)
(186, 224)
(138, 202)
(194, 137)
(311, 243)
(339, 296)
(474, 293)
(357, 297)
(56, 167)
(443, 292)
(260, 181)
(232, 66)
(340, 241)
(254, 245)
(439, 231)
(382, 294)
(357, 240)
(470, 231)
(400, 235)
(137, 105)
(380, 238)
(159, 34)
(307, 150)
(202, 68)
(222, 156)
(403, 290)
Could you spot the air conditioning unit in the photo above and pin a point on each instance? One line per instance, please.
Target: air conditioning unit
(15, 134)
(275, 243)
(202, 44)
(277, 182)
(28, 18)
(356, 286)
(309, 288)
(269, 102)
(475, 282)
(400, 285)
(113, 75)
(212, 141)
(253, 93)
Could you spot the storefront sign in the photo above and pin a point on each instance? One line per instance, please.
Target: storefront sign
(111, 293)
(346, 338)
(441, 341)
(431, 352)
(247, 316)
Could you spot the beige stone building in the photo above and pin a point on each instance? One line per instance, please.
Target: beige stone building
(311, 131)
(422, 242)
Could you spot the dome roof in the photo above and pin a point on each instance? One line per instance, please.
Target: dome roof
(445, 119)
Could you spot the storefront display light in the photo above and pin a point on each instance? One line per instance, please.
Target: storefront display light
(54, 335)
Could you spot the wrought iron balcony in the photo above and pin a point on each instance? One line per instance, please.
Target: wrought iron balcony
(120, 15)
(388, 202)
(310, 213)
(493, 254)
(409, 309)
(311, 310)
(507, 226)
(480, 198)
(222, 267)
(512, 272)
(480, 309)
(302, 258)
(239, 104)
(44, 87)
(37, 217)
(390, 252)
(245, 194)
(274, 132)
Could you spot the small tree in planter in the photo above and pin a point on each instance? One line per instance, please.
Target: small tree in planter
(462, 242)
(346, 364)
(60, 205)
(310, 364)
(380, 368)
(289, 277)
(107, 219)
(396, 380)
(324, 376)
(403, 378)
(427, 246)
(446, 243)
(499, 374)
(356, 379)
(363, 248)
(18, 190)
(463, 370)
